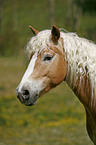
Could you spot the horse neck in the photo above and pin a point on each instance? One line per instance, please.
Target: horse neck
(76, 81)
(73, 80)
(77, 75)
(80, 79)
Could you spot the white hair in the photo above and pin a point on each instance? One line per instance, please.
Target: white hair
(39, 42)
(79, 53)
(81, 57)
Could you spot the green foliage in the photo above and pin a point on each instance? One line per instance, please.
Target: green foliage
(36, 13)
(87, 5)
(9, 44)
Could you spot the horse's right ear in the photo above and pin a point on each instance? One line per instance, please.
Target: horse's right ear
(55, 33)
(34, 31)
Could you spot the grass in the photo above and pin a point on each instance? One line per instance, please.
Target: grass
(58, 117)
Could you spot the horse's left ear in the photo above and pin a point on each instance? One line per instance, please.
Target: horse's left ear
(55, 32)
(34, 31)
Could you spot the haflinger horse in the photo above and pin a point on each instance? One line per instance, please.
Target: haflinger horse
(57, 56)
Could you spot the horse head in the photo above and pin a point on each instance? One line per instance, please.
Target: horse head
(47, 66)
(56, 56)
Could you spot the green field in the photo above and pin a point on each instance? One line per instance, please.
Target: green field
(58, 117)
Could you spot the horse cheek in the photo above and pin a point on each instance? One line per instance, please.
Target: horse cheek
(58, 71)
(61, 70)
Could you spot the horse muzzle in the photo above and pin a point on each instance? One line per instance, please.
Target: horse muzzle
(29, 91)
(26, 97)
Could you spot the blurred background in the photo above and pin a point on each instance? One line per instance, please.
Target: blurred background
(58, 118)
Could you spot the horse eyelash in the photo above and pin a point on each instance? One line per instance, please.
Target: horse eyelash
(47, 58)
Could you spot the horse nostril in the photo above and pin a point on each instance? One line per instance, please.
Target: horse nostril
(25, 92)
(26, 95)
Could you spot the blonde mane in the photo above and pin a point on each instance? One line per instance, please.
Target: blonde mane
(80, 54)
(81, 57)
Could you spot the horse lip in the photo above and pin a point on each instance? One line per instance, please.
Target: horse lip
(32, 102)
(19, 96)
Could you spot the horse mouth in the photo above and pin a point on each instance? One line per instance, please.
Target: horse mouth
(28, 101)
(32, 102)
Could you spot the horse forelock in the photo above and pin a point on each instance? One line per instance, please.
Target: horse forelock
(40, 42)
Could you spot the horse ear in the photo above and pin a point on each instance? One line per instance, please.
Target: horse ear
(34, 31)
(55, 32)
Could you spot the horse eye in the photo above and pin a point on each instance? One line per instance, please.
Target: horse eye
(47, 58)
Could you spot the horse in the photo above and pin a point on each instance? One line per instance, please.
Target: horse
(56, 56)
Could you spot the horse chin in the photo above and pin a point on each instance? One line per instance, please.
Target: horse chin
(30, 104)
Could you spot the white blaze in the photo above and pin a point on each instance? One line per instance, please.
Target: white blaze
(28, 71)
